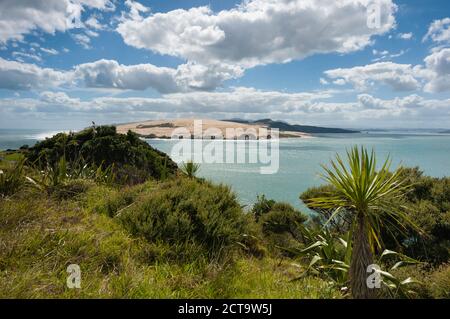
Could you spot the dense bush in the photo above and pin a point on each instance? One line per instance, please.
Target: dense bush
(282, 218)
(186, 211)
(262, 206)
(430, 209)
(279, 223)
(112, 202)
(134, 160)
(277, 217)
(427, 204)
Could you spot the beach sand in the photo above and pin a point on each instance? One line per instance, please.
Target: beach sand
(165, 128)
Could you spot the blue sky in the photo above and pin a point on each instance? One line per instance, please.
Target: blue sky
(64, 63)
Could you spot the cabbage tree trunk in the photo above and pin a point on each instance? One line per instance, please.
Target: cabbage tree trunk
(362, 257)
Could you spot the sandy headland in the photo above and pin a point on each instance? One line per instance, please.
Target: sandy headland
(166, 129)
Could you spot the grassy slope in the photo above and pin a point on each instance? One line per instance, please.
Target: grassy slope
(40, 236)
(11, 156)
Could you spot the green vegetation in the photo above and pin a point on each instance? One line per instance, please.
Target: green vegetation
(176, 236)
(133, 159)
(189, 214)
(42, 235)
(65, 177)
(11, 178)
(411, 218)
(190, 169)
(426, 203)
(279, 224)
(179, 237)
(362, 192)
(330, 256)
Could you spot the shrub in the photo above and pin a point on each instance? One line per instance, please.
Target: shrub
(262, 206)
(185, 211)
(115, 201)
(103, 146)
(279, 223)
(427, 204)
(282, 218)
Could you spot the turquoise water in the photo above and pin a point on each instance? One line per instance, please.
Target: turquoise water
(300, 160)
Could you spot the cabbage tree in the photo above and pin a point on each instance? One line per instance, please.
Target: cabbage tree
(363, 191)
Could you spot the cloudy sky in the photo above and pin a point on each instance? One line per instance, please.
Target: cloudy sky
(347, 63)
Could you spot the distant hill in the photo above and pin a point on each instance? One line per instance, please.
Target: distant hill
(294, 127)
(445, 132)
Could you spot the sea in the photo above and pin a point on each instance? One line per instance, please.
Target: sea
(300, 160)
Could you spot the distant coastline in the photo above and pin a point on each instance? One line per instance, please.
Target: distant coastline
(163, 129)
(306, 129)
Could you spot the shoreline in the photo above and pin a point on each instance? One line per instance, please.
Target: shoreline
(206, 129)
(222, 139)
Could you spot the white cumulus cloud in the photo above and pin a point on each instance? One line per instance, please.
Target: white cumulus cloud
(18, 18)
(307, 108)
(438, 63)
(23, 76)
(439, 31)
(258, 31)
(111, 74)
(405, 36)
(401, 77)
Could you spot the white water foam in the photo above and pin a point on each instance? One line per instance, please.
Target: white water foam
(42, 136)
